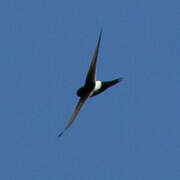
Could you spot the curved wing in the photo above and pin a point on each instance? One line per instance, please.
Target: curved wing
(91, 75)
(76, 111)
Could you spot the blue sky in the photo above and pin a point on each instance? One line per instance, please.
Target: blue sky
(130, 131)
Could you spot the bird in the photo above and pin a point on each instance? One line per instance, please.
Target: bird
(92, 87)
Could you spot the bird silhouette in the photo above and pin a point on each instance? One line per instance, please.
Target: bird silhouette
(91, 87)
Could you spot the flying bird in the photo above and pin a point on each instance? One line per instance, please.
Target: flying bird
(91, 87)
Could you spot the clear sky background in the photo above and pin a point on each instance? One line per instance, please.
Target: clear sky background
(129, 132)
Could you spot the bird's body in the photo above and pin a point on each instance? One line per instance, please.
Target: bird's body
(98, 88)
(92, 87)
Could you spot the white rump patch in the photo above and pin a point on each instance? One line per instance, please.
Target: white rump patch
(98, 85)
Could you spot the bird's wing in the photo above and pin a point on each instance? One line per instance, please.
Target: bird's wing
(76, 111)
(91, 75)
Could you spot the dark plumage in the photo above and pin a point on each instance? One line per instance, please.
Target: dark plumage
(91, 86)
(107, 84)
